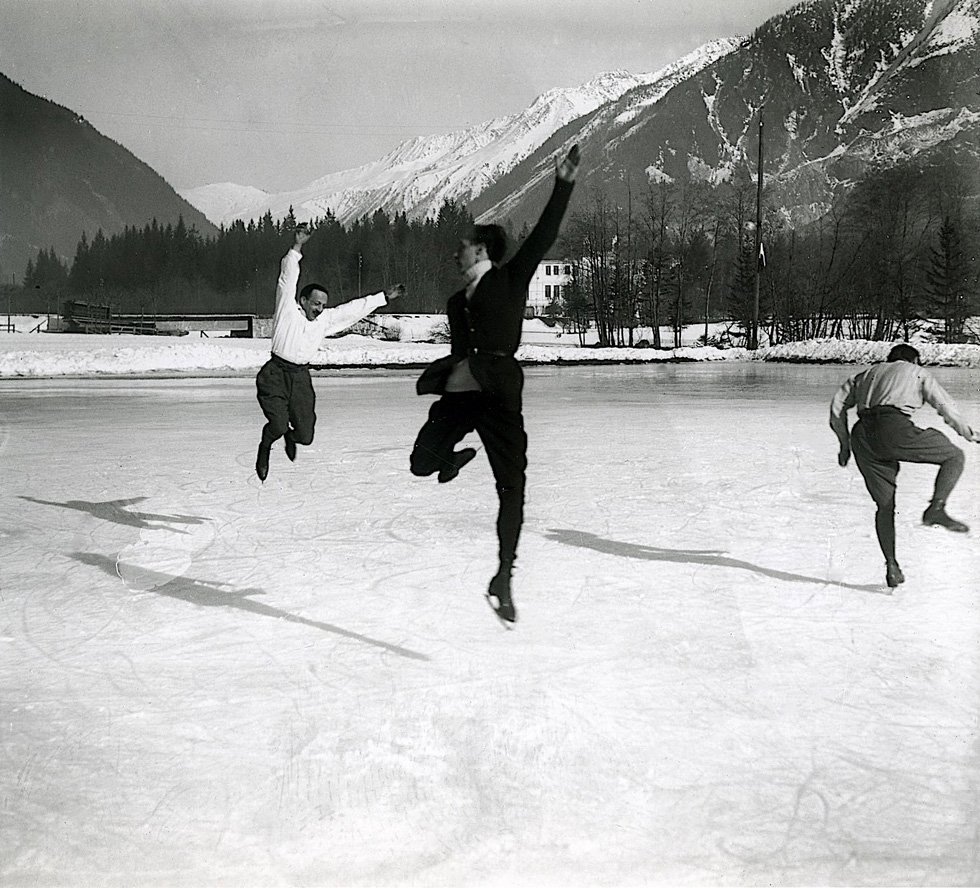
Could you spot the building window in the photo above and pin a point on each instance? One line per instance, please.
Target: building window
(557, 292)
(547, 291)
(547, 269)
(568, 269)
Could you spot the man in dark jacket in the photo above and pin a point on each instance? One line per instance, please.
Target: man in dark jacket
(480, 381)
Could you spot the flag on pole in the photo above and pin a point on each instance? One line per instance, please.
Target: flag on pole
(762, 255)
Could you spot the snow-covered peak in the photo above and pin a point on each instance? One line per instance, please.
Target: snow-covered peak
(419, 174)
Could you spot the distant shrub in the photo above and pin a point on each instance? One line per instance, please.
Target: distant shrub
(391, 332)
(439, 333)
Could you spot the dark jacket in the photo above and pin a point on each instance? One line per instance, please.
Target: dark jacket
(487, 330)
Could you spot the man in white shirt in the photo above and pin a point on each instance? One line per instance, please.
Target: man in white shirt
(884, 436)
(284, 388)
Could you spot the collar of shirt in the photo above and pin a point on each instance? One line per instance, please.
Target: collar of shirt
(474, 273)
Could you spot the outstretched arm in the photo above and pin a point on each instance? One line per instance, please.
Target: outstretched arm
(539, 241)
(333, 320)
(933, 393)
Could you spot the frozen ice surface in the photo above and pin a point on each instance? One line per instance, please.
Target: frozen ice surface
(207, 681)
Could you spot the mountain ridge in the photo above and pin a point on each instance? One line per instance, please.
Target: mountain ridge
(418, 175)
(61, 177)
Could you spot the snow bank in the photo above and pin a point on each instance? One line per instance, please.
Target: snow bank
(860, 351)
(56, 354)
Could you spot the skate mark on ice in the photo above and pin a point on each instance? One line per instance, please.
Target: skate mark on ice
(116, 512)
(709, 557)
(217, 594)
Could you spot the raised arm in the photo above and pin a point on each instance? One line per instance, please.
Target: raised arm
(289, 268)
(545, 232)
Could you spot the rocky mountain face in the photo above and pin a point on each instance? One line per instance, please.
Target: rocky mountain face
(420, 174)
(845, 88)
(60, 177)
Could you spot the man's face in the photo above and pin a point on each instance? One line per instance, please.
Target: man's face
(468, 254)
(313, 304)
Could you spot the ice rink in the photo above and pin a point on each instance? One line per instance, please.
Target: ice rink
(210, 682)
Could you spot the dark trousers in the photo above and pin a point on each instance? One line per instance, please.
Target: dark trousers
(451, 418)
(882, 439)
(286, 396)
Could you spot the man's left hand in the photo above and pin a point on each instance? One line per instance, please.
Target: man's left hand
(394, 292)
(844, 456)
(567, 169)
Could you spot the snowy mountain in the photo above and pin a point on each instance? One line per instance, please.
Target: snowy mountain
(60, 177)
(848, 88)
(420, 174)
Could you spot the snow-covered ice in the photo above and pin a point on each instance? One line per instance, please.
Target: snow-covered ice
(207, 681)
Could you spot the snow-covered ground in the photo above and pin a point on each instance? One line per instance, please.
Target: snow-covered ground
(65, 354)
(206, 681)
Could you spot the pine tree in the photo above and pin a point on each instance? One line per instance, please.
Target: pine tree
(946, 280)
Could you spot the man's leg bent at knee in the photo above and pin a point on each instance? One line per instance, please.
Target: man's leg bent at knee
(447, 424)
(932, 447)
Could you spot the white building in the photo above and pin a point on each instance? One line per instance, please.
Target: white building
(546, 285)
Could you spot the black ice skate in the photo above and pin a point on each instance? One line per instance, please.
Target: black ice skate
(262, 461)
(893, 574)
(935, 516)
(290, 447)
(460, 459)
(498, 595)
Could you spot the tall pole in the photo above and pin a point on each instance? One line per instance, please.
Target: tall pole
(754, 338)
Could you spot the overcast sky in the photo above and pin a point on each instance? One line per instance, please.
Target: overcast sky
(275, 93)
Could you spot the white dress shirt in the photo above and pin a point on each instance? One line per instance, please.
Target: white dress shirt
(295, 338)
(896, 384)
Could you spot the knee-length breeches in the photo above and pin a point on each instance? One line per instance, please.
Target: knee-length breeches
(884, 438)
(286, 396)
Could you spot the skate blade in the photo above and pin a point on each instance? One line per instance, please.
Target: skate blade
(507, 624)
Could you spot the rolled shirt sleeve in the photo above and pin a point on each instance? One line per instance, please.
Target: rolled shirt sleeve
(935, 395)
(841, 403)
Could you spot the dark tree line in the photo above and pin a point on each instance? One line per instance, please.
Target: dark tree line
(886, 257)
(172, 269)
(894, 252)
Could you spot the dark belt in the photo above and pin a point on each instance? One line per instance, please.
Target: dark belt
(883, 410)
(289, 366)
(490, 351)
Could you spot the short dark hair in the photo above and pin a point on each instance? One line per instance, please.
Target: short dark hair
(309, 288)
(903, 352)
(493, 237)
